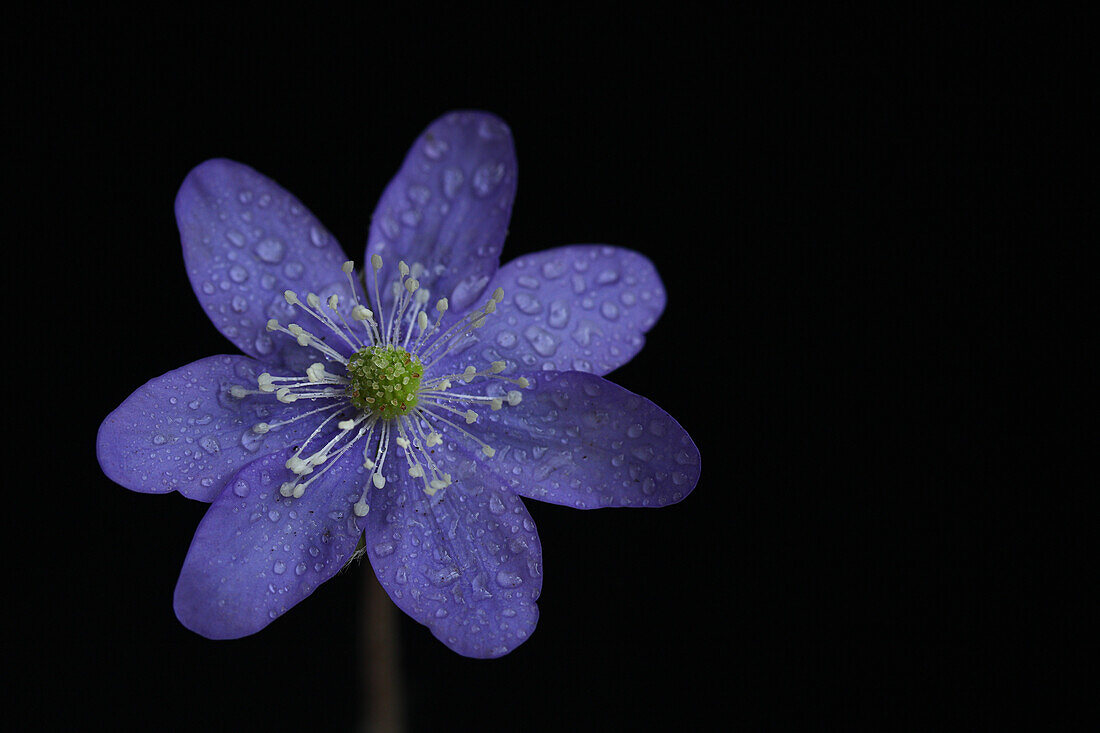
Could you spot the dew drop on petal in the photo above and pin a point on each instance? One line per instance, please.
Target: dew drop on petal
(270, 250)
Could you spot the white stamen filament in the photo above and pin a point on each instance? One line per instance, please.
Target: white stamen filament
(417, 433)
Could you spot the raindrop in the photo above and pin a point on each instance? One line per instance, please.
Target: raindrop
(270, 250)
(452, 181)
(559, 314)
(508, 580)
(544, 343)
(434, 147)
(487, 177)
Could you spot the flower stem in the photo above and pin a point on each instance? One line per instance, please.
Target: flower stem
(383, 709)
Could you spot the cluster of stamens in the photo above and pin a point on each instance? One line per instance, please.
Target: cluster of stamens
(384, 390)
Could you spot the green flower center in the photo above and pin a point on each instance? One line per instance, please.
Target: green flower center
(384, 379)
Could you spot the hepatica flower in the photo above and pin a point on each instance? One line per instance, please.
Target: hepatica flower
(410, 408)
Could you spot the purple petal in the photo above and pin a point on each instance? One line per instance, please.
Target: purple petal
(582, 308)
(581, 441)
(245, 241)
(466, 563)
(257, 553)
(448, 207)
(185, 432)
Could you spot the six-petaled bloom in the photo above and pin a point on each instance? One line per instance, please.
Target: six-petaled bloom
(410, 408)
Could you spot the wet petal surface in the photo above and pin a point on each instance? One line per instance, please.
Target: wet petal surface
(581, 441)
(246, 240)
(256, 553)
(448, 208)
(582, 307)
(185, 432)
(466, 563)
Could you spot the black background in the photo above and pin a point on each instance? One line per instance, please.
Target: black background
(831, 203)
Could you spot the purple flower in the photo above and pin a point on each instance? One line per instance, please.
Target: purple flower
(414, 418)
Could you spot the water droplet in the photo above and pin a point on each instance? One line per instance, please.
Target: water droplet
(434, 147)
(583, 333)
(239, 303)
(264, 344)
(241, 488)
(527, 303)
(279, 567)
(487, 177)
(270, 250)
(419, 194)
(209, 444)
(543, 342)
(452, 181)
(194, 404)
(442, 576)
(496, 506)
(317, 236)
(553, 269)
(383, 549)
(508, 580)
(293, 270)
(208, 287)
(606, 277)
(245, 196)
(609, 310)
(634, 430)
(273, 515)
(235, 237)
(491, 129)
(559, 314)
(506, 339)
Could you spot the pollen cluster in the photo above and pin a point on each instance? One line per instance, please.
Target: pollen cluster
(384, 380)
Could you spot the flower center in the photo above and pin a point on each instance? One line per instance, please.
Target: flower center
(384, 379)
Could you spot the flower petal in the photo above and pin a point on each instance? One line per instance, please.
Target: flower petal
(581, 307)
(185, 432)
(448, 207)
(466, 562)
(257, 553)
(245, 241)
(581, 441)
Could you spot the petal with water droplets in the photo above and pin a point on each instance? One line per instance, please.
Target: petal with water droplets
(581, 441)
(256, 553)
(448, 207)
(246, 240)
(576, 308)
(466, 562)
(184, 431)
